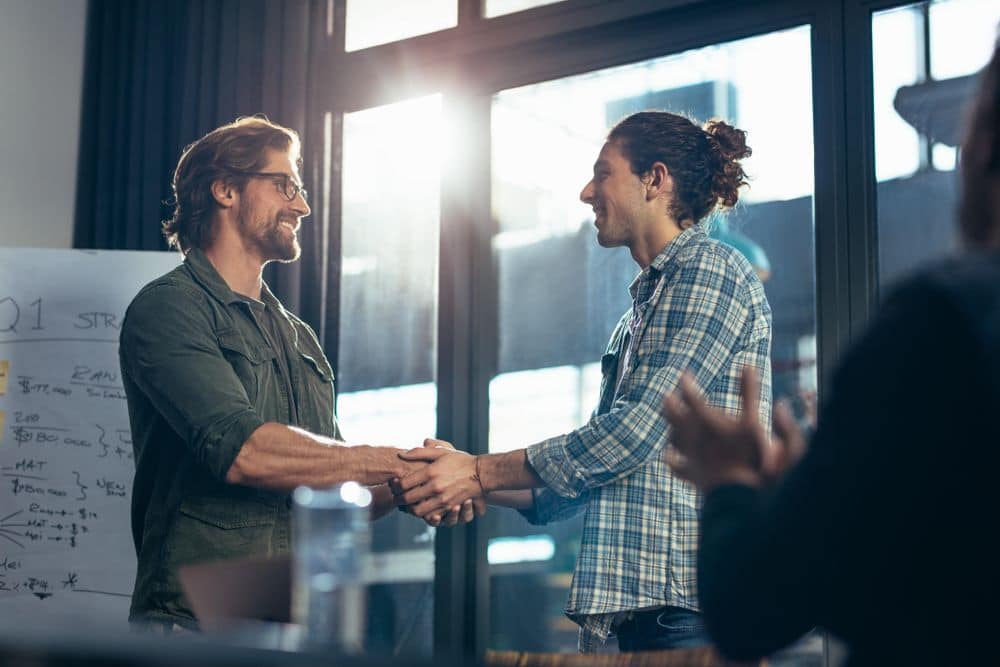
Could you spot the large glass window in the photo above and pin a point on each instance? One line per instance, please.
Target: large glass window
(388, 336)
(373, 22)
(560, 294)
(926, 56)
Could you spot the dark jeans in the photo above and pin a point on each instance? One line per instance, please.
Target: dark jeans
(660, 629)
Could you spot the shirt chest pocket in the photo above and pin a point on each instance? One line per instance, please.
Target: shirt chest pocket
(317, 399)
(217, 528)
(253, 364)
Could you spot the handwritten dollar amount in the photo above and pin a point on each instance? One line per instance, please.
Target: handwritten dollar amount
(44, 524)
(28, 385)
(107, 444)
(44, 434)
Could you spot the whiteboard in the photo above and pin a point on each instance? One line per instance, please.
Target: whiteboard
(66, 462)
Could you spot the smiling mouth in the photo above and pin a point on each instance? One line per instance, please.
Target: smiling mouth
(290, 226)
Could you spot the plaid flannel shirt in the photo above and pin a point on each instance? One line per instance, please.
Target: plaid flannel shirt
(698, 307)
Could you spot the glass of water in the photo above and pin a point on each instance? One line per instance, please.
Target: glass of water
(331, 544)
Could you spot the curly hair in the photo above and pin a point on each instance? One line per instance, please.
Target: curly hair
(704, 162)
(219, 155)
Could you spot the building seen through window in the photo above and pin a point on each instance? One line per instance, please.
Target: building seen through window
(926, 57)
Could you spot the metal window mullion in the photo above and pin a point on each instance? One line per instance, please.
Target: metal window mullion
(466, 347)
(843, 201)
(335, 222)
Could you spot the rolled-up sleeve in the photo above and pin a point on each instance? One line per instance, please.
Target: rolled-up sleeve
(548, 507)
(699, 325)
(170, 352)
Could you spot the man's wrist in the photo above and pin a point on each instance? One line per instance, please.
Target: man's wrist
(478, 474)
(508, 471)
(379, 464)
(486, 472)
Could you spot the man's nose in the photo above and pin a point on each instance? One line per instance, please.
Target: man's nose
(587, 194)
(301, 206)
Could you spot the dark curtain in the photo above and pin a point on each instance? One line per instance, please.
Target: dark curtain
(159, 75)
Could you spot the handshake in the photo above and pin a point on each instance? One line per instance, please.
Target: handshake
(441, 485)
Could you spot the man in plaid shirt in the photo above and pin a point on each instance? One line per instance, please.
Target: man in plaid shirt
(698, 307)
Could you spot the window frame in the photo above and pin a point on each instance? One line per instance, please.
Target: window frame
(479, 57)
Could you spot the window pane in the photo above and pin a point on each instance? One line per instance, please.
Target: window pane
(493, 8)
(388, 337)
(918, 121)
(561, 294)
(962, 36)
(894, 48)
(372, 22)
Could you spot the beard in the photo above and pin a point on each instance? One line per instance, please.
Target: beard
(269, 238)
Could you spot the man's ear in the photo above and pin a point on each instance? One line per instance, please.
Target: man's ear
(658, 181)
(224, 193)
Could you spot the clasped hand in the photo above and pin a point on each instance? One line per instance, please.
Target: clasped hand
(444, 492)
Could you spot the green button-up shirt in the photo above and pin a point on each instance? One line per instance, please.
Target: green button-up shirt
(201, 375)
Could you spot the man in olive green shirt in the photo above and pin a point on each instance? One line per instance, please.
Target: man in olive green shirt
(230, 396)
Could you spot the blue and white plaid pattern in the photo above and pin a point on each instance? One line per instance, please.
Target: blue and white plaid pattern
(698, 307)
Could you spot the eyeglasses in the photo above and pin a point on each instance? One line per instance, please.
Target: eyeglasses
(286, 186)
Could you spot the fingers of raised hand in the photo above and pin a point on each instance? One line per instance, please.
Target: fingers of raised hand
(679, 418)
(692, 398)
(788, 429)
(750, 395)
(679, 464)
(788, 442)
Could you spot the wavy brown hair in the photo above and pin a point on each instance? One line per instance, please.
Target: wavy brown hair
(704, 162)
(236, 147)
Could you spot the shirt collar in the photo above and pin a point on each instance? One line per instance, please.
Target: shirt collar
(642, 285)
(204, 272)
(271, 301)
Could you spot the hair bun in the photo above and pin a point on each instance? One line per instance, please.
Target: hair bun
(732, 142)
(730, 145)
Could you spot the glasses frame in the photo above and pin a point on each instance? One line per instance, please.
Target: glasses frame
(283, 187)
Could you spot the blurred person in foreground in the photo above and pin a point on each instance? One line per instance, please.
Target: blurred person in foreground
(881, 530)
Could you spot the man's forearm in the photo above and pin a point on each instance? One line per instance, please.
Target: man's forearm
(507, 472)
(280, 457)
